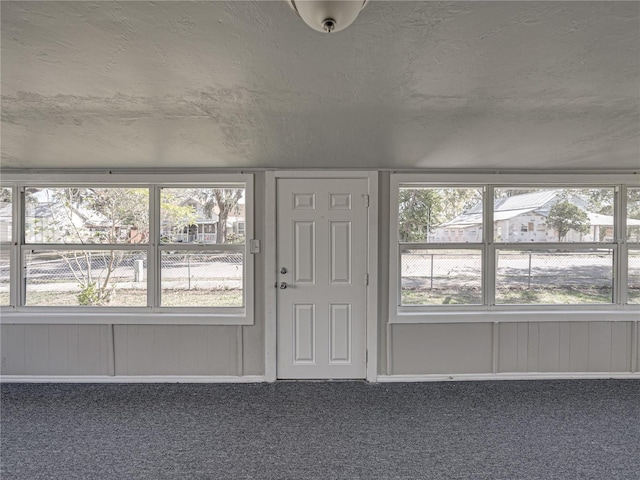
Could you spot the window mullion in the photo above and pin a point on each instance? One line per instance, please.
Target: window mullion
(489, 252)
(15, 270)
(621, 274)
(395, 273)
(153, 256)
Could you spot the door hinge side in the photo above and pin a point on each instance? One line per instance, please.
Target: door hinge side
(366, 279)
(366, 201)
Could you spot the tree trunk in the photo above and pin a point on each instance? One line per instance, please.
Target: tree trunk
(221, 232)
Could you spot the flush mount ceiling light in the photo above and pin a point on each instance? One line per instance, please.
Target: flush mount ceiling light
(328, 16)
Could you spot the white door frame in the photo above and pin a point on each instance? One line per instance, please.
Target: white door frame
(271, 270)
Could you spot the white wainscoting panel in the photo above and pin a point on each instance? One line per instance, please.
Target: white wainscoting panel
(176, 350)
(441, 348)
(56, 350)
(565, 347)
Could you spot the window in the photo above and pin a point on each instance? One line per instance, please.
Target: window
(202, 255)
(457, 247)
(152, 249)
(557, 276)
(568, 260)
(82, 246)
(439, 245)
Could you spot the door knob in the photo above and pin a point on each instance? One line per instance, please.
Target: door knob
(283, 285)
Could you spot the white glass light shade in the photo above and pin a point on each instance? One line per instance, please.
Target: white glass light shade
(328, 16)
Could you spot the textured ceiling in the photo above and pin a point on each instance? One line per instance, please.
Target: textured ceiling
(247, 84)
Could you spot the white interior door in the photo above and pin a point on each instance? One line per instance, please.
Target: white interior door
(322, 260)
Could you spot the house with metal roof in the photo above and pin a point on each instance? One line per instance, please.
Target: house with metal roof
(523, 218)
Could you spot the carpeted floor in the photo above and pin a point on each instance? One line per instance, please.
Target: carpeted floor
(302, 430)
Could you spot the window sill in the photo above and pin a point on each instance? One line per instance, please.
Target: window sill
(629, 314)
(122, 318)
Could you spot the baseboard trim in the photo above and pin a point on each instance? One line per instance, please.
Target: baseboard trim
(505, 376)
(131, 379)
(260, 378)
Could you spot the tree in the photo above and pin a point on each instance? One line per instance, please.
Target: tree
(633, 203)
(99, 215)
(565, 216)
(600, 200)
(173, 213)
(633, 213)
(225, 199)
(422, 210)
(126, 213)
(459, 200)
(5, 195)
(419, 210)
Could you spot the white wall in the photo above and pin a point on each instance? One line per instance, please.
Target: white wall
(142, 350)
(508, 346)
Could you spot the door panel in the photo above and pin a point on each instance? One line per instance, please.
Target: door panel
(340, 254)
(304, 252)
(304, 327)
(340, 338)
(322, 258)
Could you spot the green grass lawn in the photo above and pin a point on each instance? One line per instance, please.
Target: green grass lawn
(444, 296)
(202, 298)
(554, 296)
(138, 298)
(511, 296)
(233, 298)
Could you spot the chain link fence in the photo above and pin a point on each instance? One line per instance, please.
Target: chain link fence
(202, 278)
(441, 276)
(55, 267)
(545, 277)
(428, 277)
(554, 277)
(57, 278)
(5, 272)
(519, 269)
(633, 292)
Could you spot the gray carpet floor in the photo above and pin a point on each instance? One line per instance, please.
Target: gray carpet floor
(303, 430)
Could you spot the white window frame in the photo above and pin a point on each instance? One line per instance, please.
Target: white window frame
(619, 310)
(152, 313)
(628, 246)
(8, 244)
(395, 267)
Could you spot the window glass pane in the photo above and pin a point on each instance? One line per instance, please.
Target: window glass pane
(113, 278)
(6, 221)
(86, 215)
(554, 277)
(202, 278)
(203, 215)
(633, 293)
(441, 277)
(439, 215)
(6, 214)
(553, 215)
(633, 215)
(5, 263)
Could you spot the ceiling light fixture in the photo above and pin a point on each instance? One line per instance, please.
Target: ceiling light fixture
(328, 16)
